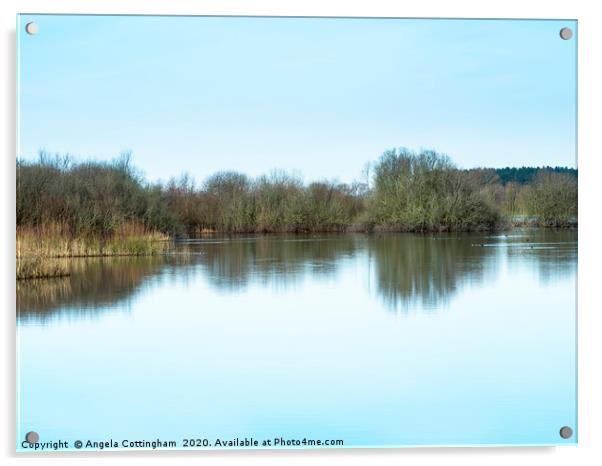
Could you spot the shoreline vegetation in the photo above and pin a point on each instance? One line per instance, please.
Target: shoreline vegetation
(79, 209)
(42, 251)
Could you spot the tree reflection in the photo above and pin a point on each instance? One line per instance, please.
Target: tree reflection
(94, 285)
(274, 260)
(425, 271)
(552, 253)
(405, 271)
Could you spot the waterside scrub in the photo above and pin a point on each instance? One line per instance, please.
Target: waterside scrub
(41, 251)
(68, 209)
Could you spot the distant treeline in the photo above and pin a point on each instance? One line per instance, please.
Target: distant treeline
(526, 175)
(406, 191)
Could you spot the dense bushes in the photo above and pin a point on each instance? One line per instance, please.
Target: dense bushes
(88, 197)
(552, 199)
(231, 202)
(425, 192)
(409, 191)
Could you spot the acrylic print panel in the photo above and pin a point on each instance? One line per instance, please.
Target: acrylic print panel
(248, 232)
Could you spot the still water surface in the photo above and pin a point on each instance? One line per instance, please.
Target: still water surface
(381, 340)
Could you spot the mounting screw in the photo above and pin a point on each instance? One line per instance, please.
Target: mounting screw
(31, 28)
(566, 33)
(32, 437)
(566, 432)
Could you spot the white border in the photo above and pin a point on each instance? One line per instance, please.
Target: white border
(589, 450)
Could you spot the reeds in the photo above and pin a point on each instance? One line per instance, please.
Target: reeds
(40, 249)
(40, 267)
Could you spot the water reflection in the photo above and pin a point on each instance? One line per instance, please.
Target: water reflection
(94, 285)
(405, 271)
(273, 260)
(550, 253)
(424, 271)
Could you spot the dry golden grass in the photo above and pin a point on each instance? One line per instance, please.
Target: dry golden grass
(38, 248)
(39, 267)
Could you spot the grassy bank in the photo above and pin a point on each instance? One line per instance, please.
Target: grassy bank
(40, 267)
(41, 251)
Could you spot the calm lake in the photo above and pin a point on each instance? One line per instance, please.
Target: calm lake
(376, 340)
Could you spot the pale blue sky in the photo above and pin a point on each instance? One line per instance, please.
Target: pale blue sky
(317, 96)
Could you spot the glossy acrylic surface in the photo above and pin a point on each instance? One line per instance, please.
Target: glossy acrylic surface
(374, 340)
(388, 340)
